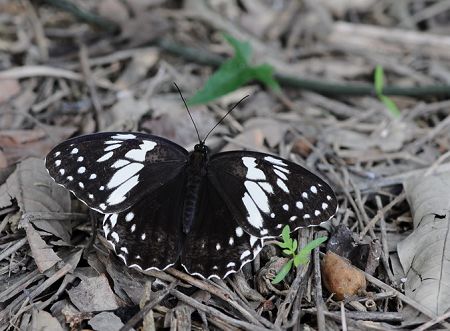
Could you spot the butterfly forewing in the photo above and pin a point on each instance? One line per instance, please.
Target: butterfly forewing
(217, 245)
(148, 234)
(265, 192)
(112, 171)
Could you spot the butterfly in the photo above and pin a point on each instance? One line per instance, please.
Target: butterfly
(163, 204)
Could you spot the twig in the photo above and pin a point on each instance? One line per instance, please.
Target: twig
(84, 15)
(143, 312)
(318, 293)
(214, 312)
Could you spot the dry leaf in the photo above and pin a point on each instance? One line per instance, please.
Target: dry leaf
(93, 294)
(34, 190)
(20, 144)
(106, 321)
(43, 321)
(43, 255)
(341, 277)
(425, 253)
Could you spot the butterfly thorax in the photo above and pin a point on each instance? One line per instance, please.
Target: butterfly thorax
(196, 172)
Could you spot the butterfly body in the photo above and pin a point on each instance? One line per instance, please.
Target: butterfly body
(196, 170)
(163, 205)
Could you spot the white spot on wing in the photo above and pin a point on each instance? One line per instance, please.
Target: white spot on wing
(324, 206)
(299, 204)
(313, 189)
(120, 163)
(239, 231)
(118, 195)
(253, 239)
(57, 163)
(293, 218)
(112, 147)
(305, 195)
(254, 216)
(129, 216)
(105, 157)
(124, 174)
(81, 170)
(253, 172)
(258, 196)
(80, 159)
(245, 254)
(124, 249)
(113, 220)
(286, 207)
(218, 246)
(280, 174)
(69, 178)
(231, 265)
(124, 136)
(57, 154)
(282, 185)
(62, 171)
(133, 227)
(231, 241)
(139, 154)
(266, 187)
(81, 185)
(143, 236)
(274, 160)
(281, 169)
(74, 151)
(92, 176)
(317, 212)
(115, 236)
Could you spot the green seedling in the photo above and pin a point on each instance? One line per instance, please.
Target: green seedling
(234, 73)
(290, 246)
(379, 86)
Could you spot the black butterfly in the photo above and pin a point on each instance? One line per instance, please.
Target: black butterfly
(162, 204)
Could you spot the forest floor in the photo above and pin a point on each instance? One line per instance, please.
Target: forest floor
(363, 103)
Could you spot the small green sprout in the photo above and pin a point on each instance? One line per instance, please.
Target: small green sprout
(379, 85)
(234, 73)
(290, 246)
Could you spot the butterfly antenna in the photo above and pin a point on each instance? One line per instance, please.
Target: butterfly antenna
(185, 104)
(223, 117)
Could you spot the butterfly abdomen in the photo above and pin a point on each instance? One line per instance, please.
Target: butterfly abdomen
(196, 172)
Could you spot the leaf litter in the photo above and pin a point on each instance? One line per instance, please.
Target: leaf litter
(393, 240)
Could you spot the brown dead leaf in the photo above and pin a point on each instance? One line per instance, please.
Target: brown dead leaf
(19, 144)
(341, 277)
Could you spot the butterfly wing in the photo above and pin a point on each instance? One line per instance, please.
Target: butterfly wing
(111, 171)
(216, 245)
(148, 235)
(265, 192)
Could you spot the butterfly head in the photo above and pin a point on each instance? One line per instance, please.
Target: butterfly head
(201, 148)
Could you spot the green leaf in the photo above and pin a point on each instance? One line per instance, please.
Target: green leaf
(234, 73)
(294, 245)
(242, 50)
(286, 234)
(284, 245)
(313, 244)
(283, 272)
(300, 259)
(288, 251)
(379, 80)
(391, 106)
(264, 73)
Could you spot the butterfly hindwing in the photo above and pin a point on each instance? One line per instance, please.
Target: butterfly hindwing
(216, 245)
(265, 192)
(111, 171)
(148, 235)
